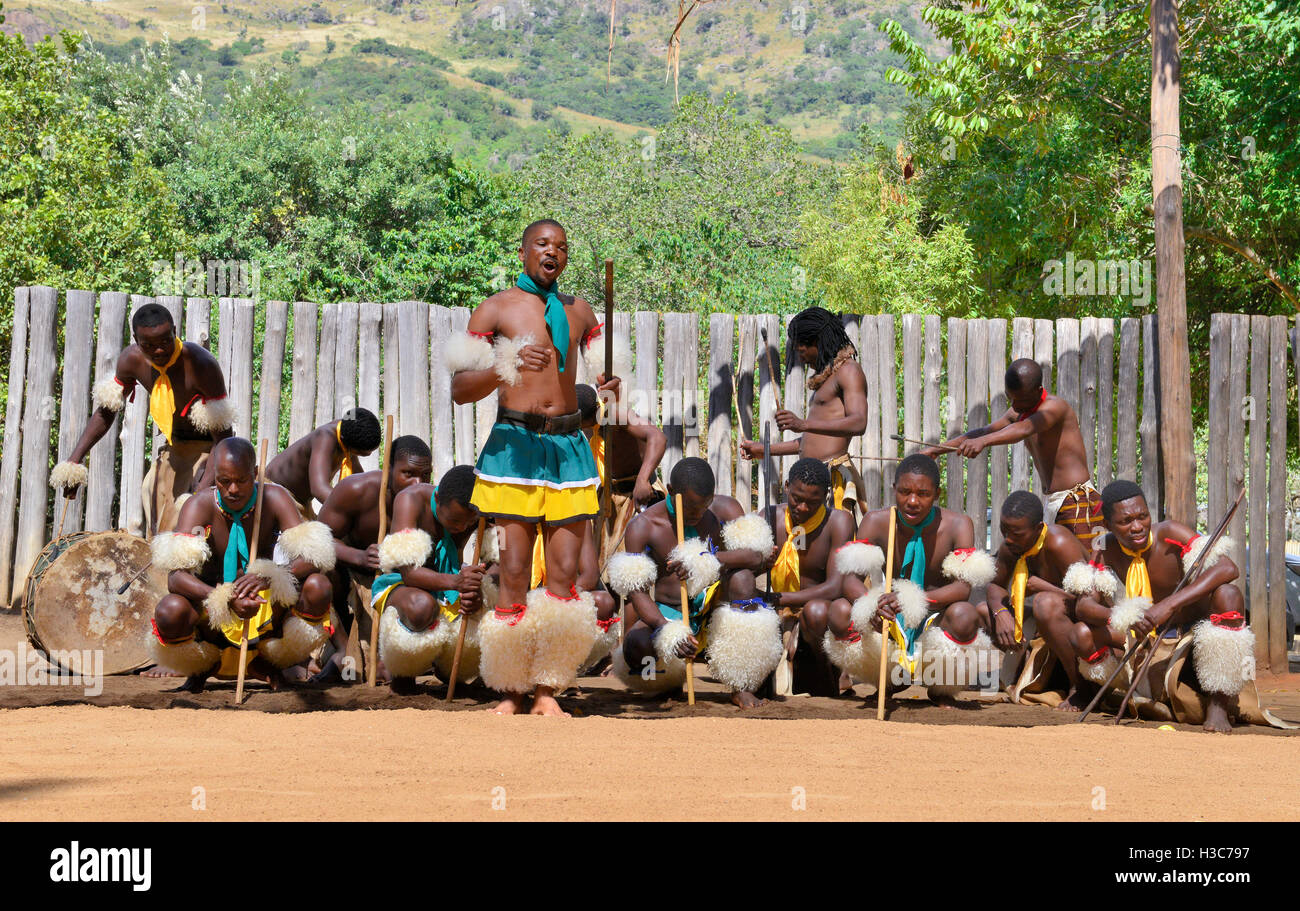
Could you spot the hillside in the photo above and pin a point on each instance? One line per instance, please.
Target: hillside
(498, 75)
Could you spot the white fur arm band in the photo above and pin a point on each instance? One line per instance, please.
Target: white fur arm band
(702, 568)
(177, 550)
(593, 354)
(629, 573)
(859, 558)
(507, 359)
(409, 547)
(1126, 612)
(971, 565)
(1222, 548)
(669, 637)
(208, 415)
(68, 474)
(466, 351)
(310, 541)
(109, 395)
(1084, 578)
(749, 532)
(282, 584)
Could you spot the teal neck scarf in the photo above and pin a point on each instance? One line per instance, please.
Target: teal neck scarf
(446, 555)
(237, 548)
(557, 321)
(691, 530)
(914, 552)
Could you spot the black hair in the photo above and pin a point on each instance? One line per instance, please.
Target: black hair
(457, 485)
(411, 447)
(1024, 373)
(151, 315)
(588, 401)
(918, 464)
(693, 474)
(810, 471)
(1023, 505)
(239, 449)
(359, 430)
(820, 327)
(1117, 492)
(541, 222)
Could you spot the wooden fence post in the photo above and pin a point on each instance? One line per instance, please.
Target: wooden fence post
(721, 449)
(1104, 468)
(38, 414)
(956, 464)
(977, 415)
(1257, 494)
(368, 335)
(1130, 344)
(268, 410)
(11, 457)
(1150, 430)
(101, 485)
(997, 364)
(74, 405)
(744, 369)
(326, 360)
(442, 434)
(302, 410)
(1278, 645)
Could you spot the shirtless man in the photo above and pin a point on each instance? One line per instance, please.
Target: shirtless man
(802, 572)
(351, 512)
(536, 474)
(213, 588)
(838, 412)
(188, 403)
(422, 575)
(639, 446)
(1050, 430)
(1151, 559)
(1032, 566)
(308, 467)
(723, 549)
(936, 566)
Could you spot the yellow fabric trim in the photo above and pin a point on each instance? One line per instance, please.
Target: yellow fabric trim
(377, 604)
(537, 503)
(1020, 582)
(349, 466)
(785, 571)
(1137, 582)
(162, 398)
(539, 560)
(257, 626)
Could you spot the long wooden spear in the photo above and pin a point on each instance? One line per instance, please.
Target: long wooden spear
(252, 555)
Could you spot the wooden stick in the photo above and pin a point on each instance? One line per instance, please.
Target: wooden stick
(252, 555)
(464, 618)
(611, 415)
(121, 589)
(939, 446)
(686, 609)
(62, 515)
(884, 626)
(383, 530)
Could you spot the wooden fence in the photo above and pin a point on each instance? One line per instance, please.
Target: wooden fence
(945, 374)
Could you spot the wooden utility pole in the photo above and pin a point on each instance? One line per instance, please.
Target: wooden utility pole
(1177, 453)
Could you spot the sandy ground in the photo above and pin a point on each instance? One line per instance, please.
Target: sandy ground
(358, 754)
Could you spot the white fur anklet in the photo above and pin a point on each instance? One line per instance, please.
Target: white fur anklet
(506, 639)
(406, 653)
(1224, 657)
(187, 658)
(744, 646)
(295, 644)
(566, 631)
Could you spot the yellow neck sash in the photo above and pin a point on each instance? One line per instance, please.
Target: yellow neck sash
(162, 398)
(349, 464)
(785, 571)
(1137, 583)
(1020, 582)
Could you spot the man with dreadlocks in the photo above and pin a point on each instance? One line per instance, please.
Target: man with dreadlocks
(838, 411)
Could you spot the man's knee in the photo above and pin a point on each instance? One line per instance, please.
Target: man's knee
(815, 616)
(174, 616)
(1227, 597)
(961, 619)
(840, 616)
(740, 585)
(605, 604)
(317, 590)
(1082, 638)
(418, 609)
(1047, 606)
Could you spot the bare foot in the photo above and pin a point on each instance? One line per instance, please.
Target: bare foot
(193, 684)
(746, 700)
(404, 686)
(1074, 701)
(545, 704)
(1216, 715)
(510, 704)
(332, 672)
(159, 671)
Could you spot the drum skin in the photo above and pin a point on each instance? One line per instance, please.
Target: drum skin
(72, 602)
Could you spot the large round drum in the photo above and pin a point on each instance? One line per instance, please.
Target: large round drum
(72, 603)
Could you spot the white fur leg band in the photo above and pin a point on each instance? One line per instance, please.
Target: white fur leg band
(187, 658)
(565, 633)
(506, 357)
(405, 652)
(1126, 612)
(468, 352)
(1078, 579)
(1222, 548)
(217, 605)
(1224, 656)
(593, 355)
(109, 395)
(283, 586)
(749, 532)
(744, 646)
(175, 550)
(629, 573)
(702, 568)
(295, 644)
(1099, 671)
(949, 664)
(506, 642)
(859, 558)
(409, 547)
(604, 645)
(310, 541)
(68, 474)
(971, 565)
(213, 414)
(448, 633)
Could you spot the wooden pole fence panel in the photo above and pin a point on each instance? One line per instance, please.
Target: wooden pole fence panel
(646, 383)
(1235, 436)
(796, 390)
(327, 358)
(198, 321)
(977, 415)
(957, 331)
(74, 401)
(1104, 468)
(346, 358)
(1044, 337)
(1257, 492)
(1088, 389)
(11, 457)
(241, 369)
(225, 322)
(392, 360)
(302, 407)
(1150, 426)
(1216, 457)
(1067, 361)
(268, 405)
(997, 364)
(369, 330)
(1130, 344)
(721, 449)
(1022, 346)
(676, 368)
(413, 407)
(440, 391)
(101, 482)
(693, 421)
(872, 444)
(463, 415)
(769, 401)
(38, 415)
(746, 349)
(853, 329)
(912, 353)
(932, 417)
(1278, 644)
(888, 366)
(135, 419)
